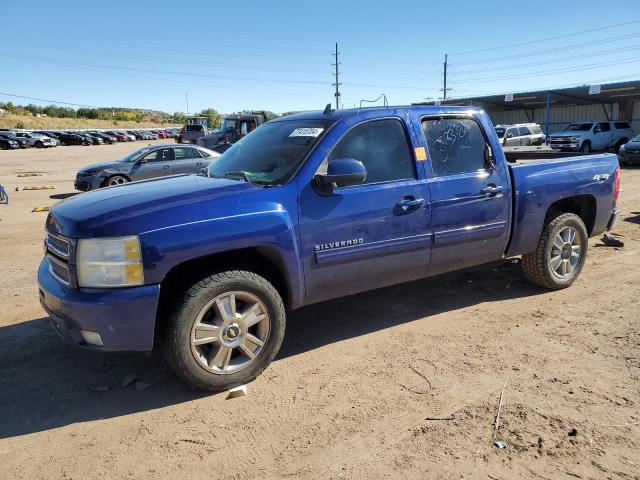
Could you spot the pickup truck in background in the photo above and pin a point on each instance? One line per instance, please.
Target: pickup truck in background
(587, 136)
(233, 128)
(307, 208)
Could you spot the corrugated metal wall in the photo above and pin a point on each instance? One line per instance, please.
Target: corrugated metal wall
(560, 117)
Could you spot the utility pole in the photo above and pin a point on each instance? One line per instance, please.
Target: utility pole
(337, 75)
(444, 89)
(186, 96)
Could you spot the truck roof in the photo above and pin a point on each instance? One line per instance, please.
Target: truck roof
(337, 115)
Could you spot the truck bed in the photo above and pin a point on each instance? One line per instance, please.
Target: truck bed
(539, 184)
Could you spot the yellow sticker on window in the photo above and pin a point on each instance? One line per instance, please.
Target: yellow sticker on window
(421, 153)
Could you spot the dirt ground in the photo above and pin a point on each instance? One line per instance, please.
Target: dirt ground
(350, 394)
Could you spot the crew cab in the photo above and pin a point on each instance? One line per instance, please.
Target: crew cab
(304, 209)
(588, 136)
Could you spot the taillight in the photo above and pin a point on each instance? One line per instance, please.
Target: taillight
(616, 185)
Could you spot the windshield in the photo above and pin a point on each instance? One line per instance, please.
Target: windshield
(193, 128)
(500, 132)
(578, 127)
(133, 156)
(228, 124)
(271, 153)
(636, 138)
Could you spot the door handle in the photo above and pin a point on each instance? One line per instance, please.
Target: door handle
(491, 190)
(199, 164)
(410, 202)
(166, 167)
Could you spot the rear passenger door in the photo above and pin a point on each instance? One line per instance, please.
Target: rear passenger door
(470, 194)
(185, 159)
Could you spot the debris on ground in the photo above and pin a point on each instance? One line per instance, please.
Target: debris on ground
(500, 444)
(236, 392)
(611, 241)
(129, 379)
(573, 432)
(142, 385)
(450, 417)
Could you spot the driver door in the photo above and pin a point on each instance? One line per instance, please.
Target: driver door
(369, 235)
(157, 163)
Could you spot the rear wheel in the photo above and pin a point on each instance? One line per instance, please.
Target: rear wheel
(39, 144)
(117, 180)
(560, 255)
(226, 330)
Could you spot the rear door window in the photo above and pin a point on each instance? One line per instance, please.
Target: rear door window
(621, 125)
(456, 145)
(183, 153)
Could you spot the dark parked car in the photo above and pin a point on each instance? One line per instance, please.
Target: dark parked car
(120, 136)
(22, 143)
(71, 139)
(629, 153)
(147, 162)
(6, 144)
(107, 139)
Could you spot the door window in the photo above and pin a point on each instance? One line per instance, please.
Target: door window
(160, 155)
(456, 145)
(603, 127)
(523, 131)
(382, 147)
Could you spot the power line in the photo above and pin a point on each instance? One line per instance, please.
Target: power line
(58, 102)
(549, 50)
(555, 60)
(552, 71)
(530, 42)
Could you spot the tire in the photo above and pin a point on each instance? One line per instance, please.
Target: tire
(39, 144)
(116, 180)
(585, 147)
(541, 266)
(619, 143)
(216, 364)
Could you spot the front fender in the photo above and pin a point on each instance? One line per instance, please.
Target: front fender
(270, 226)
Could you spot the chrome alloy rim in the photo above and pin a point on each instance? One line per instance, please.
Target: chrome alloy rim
(566, 252)
(117, 181)
(230, 332)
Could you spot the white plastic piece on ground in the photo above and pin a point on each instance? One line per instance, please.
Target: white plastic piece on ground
(236, 392)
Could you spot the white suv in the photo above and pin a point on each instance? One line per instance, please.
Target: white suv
(588, 136)
(521, 134)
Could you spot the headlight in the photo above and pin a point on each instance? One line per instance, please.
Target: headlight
(574, 139)
(109, 262)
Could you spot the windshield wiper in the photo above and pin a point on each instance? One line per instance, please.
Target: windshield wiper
(243, 175)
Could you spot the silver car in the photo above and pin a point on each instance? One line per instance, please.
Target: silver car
(144, 163)
(36, 139)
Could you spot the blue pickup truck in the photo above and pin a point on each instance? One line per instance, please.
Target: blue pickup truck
(307, 208)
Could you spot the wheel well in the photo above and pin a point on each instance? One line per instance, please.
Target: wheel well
(264, 261)
(583, 206)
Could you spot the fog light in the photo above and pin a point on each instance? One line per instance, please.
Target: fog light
(92, 338)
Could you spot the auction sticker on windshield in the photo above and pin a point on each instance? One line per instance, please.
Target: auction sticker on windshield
(306, 132)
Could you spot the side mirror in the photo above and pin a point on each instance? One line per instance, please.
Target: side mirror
(597, 130)
(342, 172)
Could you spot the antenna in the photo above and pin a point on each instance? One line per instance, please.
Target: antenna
(327, 110)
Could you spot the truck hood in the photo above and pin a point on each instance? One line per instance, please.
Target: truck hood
(138, 207)
(567, 134)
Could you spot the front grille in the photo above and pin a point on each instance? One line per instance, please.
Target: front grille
(560, 140)
(58, 246)
(60, 270)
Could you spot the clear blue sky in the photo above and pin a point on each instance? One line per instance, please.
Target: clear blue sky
(276, 55)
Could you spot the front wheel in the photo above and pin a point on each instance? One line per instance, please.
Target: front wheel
(585, 147)
(117, 180)
(226, 330)
(560, 255)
